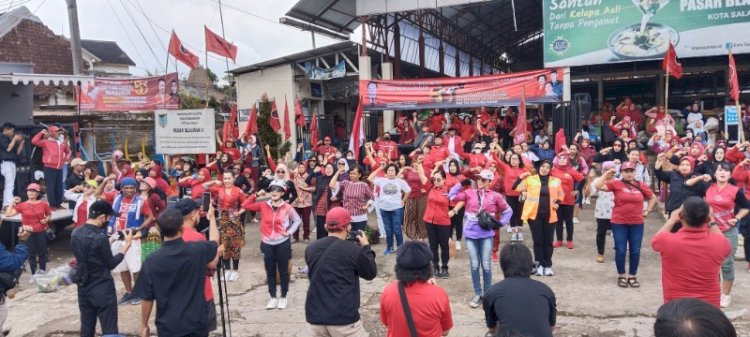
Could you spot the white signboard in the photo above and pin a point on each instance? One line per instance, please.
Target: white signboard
(185, 131)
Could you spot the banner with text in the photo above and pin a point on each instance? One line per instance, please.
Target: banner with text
(541, 86)
(185, 131)
(585, 32)
(131, 94)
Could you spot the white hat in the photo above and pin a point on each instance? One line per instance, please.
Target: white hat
(77, 161)
(278, 183)
(486, 175)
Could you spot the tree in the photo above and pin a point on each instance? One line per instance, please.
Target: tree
(265, 132)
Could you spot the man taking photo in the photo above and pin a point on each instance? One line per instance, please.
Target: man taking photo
(96, 288)
(336, 263)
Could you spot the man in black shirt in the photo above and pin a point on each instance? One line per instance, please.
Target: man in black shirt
(96, 288)
(336, 264)
(174, 276)
(11, 147)
(518, 302)
(76, 177)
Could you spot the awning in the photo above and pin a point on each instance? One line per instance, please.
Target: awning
(50, 79)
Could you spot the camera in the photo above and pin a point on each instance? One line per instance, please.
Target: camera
(353, 235)
(121, 234)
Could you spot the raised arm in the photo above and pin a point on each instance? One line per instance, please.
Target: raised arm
(601, 182)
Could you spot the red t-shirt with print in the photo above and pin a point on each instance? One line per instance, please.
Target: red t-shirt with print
(33, 213)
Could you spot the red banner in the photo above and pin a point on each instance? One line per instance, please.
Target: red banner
(542, 86)
(131, 94)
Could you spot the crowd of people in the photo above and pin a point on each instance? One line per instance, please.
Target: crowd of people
(436, 184)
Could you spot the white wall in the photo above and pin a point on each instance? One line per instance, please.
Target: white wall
(112, 68)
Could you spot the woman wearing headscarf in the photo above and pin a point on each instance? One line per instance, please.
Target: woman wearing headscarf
(718, 156)
(278, 221)
(321, 198)
(195, 187)
(616, 152)
(414, 208)
(281, 172)
(568, 177)
(453, 178)
(229, 198)
(627, 223)
(543, 196)
(303, 203)
(676, 180)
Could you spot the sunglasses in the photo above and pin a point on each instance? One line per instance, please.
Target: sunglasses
(341, 164)
(276, 189)
(281, 171)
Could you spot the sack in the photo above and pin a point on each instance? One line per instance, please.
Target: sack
(51, 234)
(487, 222)
(451, 248)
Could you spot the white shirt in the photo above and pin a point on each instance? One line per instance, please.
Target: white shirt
(390, 196)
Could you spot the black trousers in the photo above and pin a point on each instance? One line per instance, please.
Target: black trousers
(438, 235)
(276, 258)
(542, 233)
(517, 207)
(98, 302)
(320, 227)
(53, 178)
(457, 224)
(602, 226)
(745, 231)
(37, 244)
(565, 215)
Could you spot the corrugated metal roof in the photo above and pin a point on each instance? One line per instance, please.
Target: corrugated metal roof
(10, 20)
(305, 55)
(336, 15)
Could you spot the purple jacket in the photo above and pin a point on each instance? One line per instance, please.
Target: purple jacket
(492, 202)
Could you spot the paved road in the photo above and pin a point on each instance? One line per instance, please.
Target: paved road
(589, 301)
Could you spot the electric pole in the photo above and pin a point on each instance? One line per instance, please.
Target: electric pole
(75, 37)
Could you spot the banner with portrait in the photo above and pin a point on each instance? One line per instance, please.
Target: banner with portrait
(540, 86)
(131, 94)
(185, 131)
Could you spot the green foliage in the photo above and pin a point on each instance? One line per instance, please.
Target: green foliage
(191, 102)
(212, 76)
(266, 133)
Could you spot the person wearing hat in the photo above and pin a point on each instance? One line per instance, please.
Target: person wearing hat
(132, 214)
(35, 214)
(335, 265)
(55, 152)
(278, 221)
(388, 146)
(76, 177)
(84, 196)
(627, 226)
(428, 303)
(95, 261)
(11, 147)
(191, 217)
(324, 147)
(478, 240)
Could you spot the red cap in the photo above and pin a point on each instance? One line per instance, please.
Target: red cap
(53, 128)
(151, 182)
(34, 187)
(627, 166)
(338, 218)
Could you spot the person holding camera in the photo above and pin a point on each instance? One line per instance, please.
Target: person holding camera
(35, 214)
(55, 152)
(10, 269)
(96, 287)
(11, 146)
(336, 263)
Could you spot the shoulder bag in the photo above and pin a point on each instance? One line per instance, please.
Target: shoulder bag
(486, 221)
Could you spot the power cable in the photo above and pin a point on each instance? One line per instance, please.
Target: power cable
(137, 2)
(141, 33)
(140, 57)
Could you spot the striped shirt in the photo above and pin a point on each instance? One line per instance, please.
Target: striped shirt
(356, 196)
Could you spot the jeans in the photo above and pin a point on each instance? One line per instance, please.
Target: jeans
(627, 237)
(53, 178)
(8, 170)
(479, 254)
(542, 233)
(602, 226)
(727, 268)
(392, 221)
(276, 258)
(438, 235)
(565, 215)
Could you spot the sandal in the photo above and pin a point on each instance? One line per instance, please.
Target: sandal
(633, 282)
(622, 282)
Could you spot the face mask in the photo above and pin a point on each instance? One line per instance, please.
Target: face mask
(350, 157)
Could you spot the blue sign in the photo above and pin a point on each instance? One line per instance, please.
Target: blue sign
(730, 115)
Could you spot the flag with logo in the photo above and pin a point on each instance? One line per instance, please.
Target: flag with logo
(287, 125)
(275, 121)
(230, 129)
(178, 50)
(358, 134)
(219, 46)
(670, 63)
(734, 82)
(519, 132)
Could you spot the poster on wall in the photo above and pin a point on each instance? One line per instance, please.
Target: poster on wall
(540, 86)
(131, 94)
(185, 131)
(586, 32)
(314, 72)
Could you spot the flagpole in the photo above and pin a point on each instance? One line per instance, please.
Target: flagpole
(206, 78)
(740, 130)
(666, 92)
(221, 18)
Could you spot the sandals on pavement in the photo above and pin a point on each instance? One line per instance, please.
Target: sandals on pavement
(633, 282)
(622, 282)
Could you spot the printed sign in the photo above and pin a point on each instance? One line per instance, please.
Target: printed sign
(314, 72)
(585, 32)
(131, 94)
(540, 86)
(185, 131)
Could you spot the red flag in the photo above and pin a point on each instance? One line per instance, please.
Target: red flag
(230, 129)
(314, 136)
(300, 119)
(358, 134)
(275, 122)
(287, 124)
(519, 132)
(217, 45)
(181, 53)
(252, 122)
(560, 140)
(670, 63)
(734, 83)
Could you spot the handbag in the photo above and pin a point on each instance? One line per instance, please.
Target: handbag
(486, 221)
(50, 234)
(407, 311)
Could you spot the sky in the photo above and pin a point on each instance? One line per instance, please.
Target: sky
(252, 25)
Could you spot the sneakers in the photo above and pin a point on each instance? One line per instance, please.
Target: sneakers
(495, 258)
(444, 273)
(282, 303)
(600, 258)
(587, 201)
(575, 220)
(273, 303)
(519, 238)
(135, 300)
(539, 271)
(476, 301)
(125, 299)
(557, 244)
(458, 245)
(514, 237)
(570, 244)
(726, 300)
(548, 272)
(508, 229)
(387, 251)
(235, 275)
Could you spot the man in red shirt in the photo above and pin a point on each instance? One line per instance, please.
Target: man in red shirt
(388, 146)
(437, 122)
(326, 148)
(691, 258)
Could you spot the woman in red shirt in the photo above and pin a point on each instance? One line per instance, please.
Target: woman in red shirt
(569, 176)
(511, 170)
(437, 219)
(229, 198)
(415, 205)
(156, 202)
(35, 216)
(627, 225)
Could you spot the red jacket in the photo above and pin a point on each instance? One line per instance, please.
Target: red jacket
(275, 225)
(734, 155)
(436, 212)
(568, 176)
(741, 174)
(510, 174)
(54, 153)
